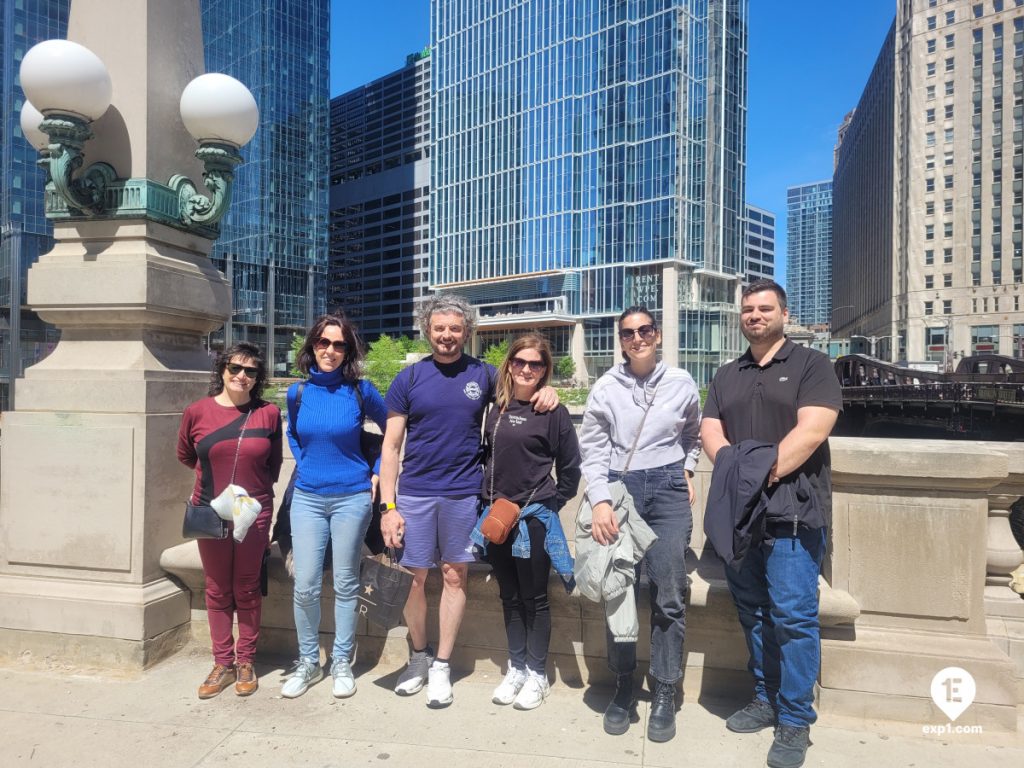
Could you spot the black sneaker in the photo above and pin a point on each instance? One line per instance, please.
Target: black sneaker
(661, 724)
(790, 746)
(621, 708)
(754, 717)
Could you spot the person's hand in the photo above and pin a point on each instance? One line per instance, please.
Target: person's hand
(545, 400)
(604, 526)
(374, 484)
(689, 487)
(392, 528)
(773, 475)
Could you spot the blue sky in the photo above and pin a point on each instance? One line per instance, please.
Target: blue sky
(808, 63)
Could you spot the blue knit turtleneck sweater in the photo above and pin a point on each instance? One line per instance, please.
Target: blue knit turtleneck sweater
(325, 435)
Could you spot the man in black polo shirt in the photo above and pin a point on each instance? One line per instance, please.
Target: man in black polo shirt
(787, 395)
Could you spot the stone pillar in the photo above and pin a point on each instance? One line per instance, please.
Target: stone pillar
(670, 314)
(91, 490)
(579, 351)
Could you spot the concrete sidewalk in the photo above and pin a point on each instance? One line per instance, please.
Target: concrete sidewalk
(59, 717)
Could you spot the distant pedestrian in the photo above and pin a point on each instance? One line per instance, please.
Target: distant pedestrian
(523, 446)
(331, 502)
(233, 436)
(650, 411)
(788, 397)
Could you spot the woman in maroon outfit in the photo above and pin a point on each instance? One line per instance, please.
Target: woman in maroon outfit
(233, 421)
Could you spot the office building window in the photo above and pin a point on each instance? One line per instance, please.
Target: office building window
(947, 307)
(950, 64)
(930, 93)
(947, 255)
(929, 256)
(949, 112)
(950, 17)
(1018, 341)
(929, 207)
(947, 280)
(930, 45)
(930, 69)
(949, 87)
(928, 305)
(929, 231)
(929, 115)
(984, 339)
(929, 282)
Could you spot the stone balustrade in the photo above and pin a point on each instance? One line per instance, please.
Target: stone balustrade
(905, 592)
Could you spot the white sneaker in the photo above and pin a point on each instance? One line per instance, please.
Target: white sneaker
(506, 691)
(304, 674)
(439, 686)
(344, 682)
(533, 693)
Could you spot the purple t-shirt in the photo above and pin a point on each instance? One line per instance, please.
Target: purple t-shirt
(443, 409)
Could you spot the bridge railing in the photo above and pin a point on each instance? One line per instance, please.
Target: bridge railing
(945, 392)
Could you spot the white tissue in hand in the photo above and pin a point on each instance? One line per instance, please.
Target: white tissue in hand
(245, 511)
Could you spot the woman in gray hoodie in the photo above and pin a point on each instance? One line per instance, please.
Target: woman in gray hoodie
(660, 481)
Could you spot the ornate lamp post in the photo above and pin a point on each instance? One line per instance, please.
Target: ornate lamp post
(91, 491)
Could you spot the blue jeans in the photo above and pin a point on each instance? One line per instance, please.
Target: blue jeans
(662, 499)
(776, 595)
(315, 519)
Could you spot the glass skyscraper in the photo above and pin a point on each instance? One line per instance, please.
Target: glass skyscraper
(273, 242)
(760, 242)
(589, 155)
(809, 252)
(380, 200)
(25, 232)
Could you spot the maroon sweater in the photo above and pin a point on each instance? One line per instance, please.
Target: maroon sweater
(207, 441)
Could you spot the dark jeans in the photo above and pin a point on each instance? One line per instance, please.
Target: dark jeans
(523, 585)
(662, 499)
(776, 595)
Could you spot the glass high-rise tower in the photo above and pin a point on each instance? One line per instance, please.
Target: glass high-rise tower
(273, 242)
(589, 155)
(25, 232)
(809, 252)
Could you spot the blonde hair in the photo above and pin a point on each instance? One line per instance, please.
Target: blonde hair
(506, 386)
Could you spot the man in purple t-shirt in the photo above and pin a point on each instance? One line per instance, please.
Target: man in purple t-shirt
(436, 407)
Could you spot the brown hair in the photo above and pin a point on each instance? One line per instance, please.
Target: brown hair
(241, 349)
(636, 309)
(505, 385)
(352, 366)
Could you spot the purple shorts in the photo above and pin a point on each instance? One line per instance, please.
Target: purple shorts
(437, 529)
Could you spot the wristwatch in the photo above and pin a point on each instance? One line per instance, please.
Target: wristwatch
(386, 506)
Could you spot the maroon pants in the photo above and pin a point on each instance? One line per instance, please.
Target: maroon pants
(232, 572)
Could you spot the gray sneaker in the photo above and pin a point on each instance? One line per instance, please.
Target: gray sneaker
(414, 676)
(344, 683)
(303, 675)
(790, 747)
(756, 716)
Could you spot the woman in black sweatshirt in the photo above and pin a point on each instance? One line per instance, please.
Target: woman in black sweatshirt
(523, 447)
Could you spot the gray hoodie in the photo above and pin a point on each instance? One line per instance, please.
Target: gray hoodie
(614, 410)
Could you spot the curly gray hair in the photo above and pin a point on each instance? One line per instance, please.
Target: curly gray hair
(443, 304)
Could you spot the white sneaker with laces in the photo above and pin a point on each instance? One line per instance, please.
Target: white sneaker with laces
(533, 693)
(344, 682)
(439, 686)
(506, 691)
(303, 675)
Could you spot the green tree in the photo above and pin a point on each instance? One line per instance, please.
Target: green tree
(565, 368)
(297, 340)
(496, 353)
(384, 359)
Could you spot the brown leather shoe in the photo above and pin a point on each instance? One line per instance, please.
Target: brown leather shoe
(220, 677)
(247, 681)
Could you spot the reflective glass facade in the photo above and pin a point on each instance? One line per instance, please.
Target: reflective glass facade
(760, 243)
(25, 232)
(380, 200)
(809, 252)
(273, 243)
(589, 155)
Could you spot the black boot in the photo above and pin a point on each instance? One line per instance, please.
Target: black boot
(661, 724)
(623, 703)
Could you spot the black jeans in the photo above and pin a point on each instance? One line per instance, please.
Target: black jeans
(523, 585)
(662, 499)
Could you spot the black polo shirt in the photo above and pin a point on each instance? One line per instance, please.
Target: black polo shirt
(756, 402)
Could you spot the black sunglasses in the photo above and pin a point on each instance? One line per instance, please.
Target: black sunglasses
(647, 332)
(234, 369)
(518, 364)
(323, 343)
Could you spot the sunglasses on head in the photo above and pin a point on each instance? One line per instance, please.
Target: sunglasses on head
(518, 364)
(323, 343)
(234, 369)
(646, 332)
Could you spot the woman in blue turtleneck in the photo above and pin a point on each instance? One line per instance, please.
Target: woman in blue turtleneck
(332, 493)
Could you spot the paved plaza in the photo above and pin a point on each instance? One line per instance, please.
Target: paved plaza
(54, 717)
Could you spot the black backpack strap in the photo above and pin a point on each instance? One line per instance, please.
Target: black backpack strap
(298, 404)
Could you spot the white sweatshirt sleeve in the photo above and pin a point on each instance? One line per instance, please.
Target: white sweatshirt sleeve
(596, 446)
